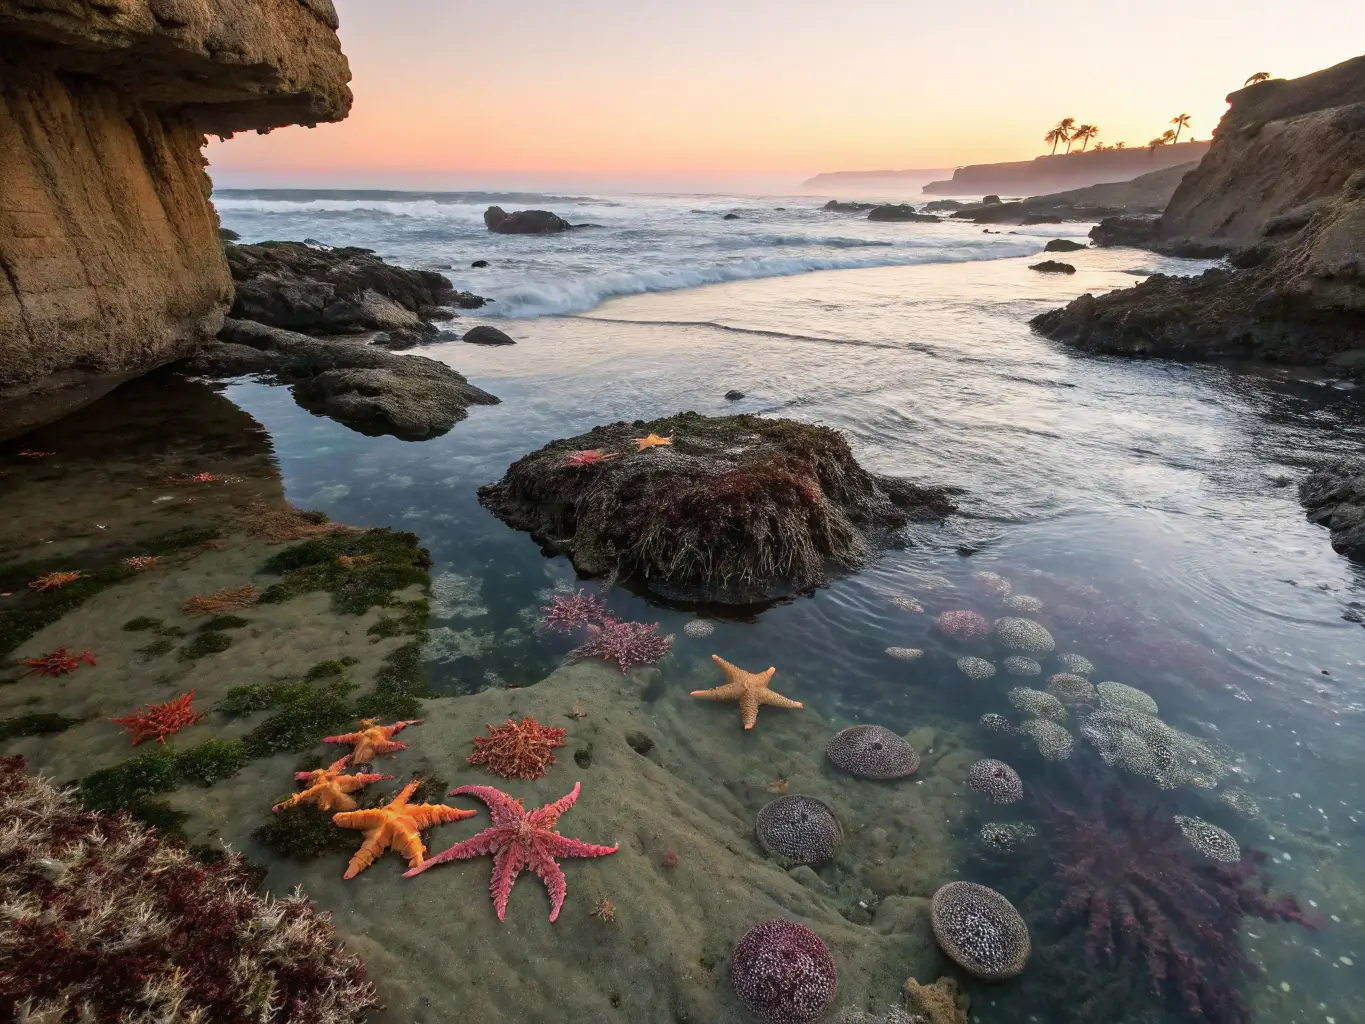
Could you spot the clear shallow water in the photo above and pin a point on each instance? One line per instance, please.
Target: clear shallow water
(1166, 489)
(1169, 489)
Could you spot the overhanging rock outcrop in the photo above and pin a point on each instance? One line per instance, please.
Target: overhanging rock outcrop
(110, 262)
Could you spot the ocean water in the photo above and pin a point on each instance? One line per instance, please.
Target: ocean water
(1150, 507)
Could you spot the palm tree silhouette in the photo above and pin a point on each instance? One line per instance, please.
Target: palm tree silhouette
(1120, 145)
(1084, 133)
(1180, 121)
(1061, 132)
(1164, 139)
(1257, 79)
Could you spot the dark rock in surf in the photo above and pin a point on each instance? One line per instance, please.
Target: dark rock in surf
(318, 289)
(901, 212)
(733, 396)
(734, 509)
(1139, 232)
(485, 335)
(1062, 245)
(369, 390)
(944, 206)
(228, 235)
(1053, 267)
(479, 264)
(524, 222)
(731, 216)
(990, 200)
(1334, 496)
(835, 206)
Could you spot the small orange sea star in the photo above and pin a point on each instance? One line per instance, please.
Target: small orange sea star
(372, 738)
(652, 441)
(329, 787)
(53, 580)
(749, 688)
(397, 824)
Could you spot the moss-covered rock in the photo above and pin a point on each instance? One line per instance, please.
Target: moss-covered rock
(359, 570)
(736, 509)
(303, 832)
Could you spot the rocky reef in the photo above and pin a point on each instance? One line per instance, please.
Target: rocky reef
(1146, 194)
(1281, 190)
(358, 384)
(731, 509)
(108, 239)
(1334, 496)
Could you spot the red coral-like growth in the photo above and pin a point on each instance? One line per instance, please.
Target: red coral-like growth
(106, 921)
(60, 662)
(626, 643)
(567, 612)
(1140, 891)
(157, 721)
(518, 750)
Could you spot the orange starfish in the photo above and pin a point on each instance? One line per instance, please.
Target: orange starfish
(397, 824)
(750, 689)
(372, 739)
(329, 788)
(653, 441)
(53, 580)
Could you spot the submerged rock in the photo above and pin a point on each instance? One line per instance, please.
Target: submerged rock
(1062, 245)
(370, 390)
(733, 509)
(1053, 267)
(835, 206)
(902, 212)
(524, 222)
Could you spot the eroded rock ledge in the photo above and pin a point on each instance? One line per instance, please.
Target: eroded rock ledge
(1334, 496)
(733, 510)
(108, 240)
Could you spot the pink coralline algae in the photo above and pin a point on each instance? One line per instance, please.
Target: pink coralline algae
(567, 612)
(783, 972)
(963, 626)
(625, 643)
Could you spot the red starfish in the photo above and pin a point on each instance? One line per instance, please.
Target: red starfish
(157, 721)
(588, 457)
(59, 663)
(519, 839)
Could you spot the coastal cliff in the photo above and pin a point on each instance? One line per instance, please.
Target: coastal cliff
(108, 240)
(1064, 171)
(1283, 189)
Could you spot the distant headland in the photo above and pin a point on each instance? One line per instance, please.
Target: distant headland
(1046, 174)
(879, 182)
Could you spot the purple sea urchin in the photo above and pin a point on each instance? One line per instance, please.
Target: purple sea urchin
(872, 752)
(800, 829)
(783, 972)
(980, 930)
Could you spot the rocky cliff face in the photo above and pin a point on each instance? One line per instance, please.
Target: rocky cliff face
(1284, 183)
(1281, 149)
(108, 241)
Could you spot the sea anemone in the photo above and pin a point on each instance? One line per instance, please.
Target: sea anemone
(963, 626)
(800, 829)
(783, 972)
(1052, 741)
(1024, 603)
(1122, 697)
(1018, 665)
(996, 781)
(1075, 664)
(993, 582)
(1037, 704)
(1210, 840)
(980, 930)
(904, 653)
(872, 752)
(975, 668)
(1070, 688)
(699, 629)
(1024, 635)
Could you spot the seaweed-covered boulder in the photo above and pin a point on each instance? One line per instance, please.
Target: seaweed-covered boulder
(730, 509)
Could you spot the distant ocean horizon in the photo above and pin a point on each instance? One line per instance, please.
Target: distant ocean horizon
(629, 244)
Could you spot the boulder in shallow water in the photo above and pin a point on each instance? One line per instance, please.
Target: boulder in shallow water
(731, 509)
(370, 390)
(485, 335)
(1334, 496)
(1062, 245)
(1053, 267)
(733, 395)
(901, 212)
(524, 222)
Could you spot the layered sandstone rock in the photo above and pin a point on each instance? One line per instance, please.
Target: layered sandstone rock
(108, 241)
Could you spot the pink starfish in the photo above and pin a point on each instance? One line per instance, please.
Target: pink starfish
(519, 839)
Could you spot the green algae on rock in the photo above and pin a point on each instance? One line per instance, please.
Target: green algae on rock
(734, 509)
(376, 564)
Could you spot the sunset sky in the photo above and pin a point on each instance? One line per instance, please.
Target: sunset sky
(761, 94)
